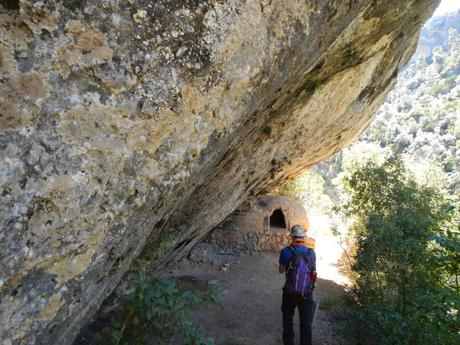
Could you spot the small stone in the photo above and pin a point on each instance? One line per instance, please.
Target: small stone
(181, 51)
(56, 243)
(140, 16)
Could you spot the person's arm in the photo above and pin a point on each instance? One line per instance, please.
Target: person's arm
(313, 272)
(281, 267)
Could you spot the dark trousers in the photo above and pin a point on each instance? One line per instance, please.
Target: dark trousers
(305, 306)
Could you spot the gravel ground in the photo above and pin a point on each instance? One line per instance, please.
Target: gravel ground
(249, 313)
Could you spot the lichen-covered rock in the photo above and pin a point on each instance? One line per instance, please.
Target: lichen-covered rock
(123, 121)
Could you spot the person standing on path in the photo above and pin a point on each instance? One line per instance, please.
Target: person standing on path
(299, 264)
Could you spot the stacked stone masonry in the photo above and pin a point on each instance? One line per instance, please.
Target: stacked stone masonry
(251, 227)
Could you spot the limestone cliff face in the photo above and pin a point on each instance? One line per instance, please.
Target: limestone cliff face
(123, 121)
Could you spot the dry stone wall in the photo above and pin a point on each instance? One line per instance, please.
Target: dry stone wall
(248, 228)
(125, 122)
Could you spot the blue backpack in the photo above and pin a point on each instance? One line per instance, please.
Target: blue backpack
(298, 273)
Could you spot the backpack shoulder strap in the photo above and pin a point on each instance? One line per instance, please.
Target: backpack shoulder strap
(308, 258)
(294, 253)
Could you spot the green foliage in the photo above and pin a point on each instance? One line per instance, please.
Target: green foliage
(443, 87)
(141, 267)
(420, 115)
(360, 154)
(427, 173)
(407, 263)
(308, 188)
(292, 188)
(405, 232)
(156, 308)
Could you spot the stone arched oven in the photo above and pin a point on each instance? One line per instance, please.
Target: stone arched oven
(260, 224)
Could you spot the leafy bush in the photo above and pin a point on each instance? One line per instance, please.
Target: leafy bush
(155, 308)
(407, 262)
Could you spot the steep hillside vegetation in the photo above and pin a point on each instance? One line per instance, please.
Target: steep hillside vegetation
(420, 119)
(421, 116)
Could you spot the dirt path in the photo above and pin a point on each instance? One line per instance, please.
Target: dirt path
(249, 313)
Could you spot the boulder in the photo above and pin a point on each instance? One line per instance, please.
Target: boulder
(127, 122)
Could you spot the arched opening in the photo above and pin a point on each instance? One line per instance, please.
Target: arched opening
(277, 220)
(10, 4)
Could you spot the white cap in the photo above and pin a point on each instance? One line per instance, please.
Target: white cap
(298, 231)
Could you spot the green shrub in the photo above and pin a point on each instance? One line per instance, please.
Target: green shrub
(156, 308)
(407, 262)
